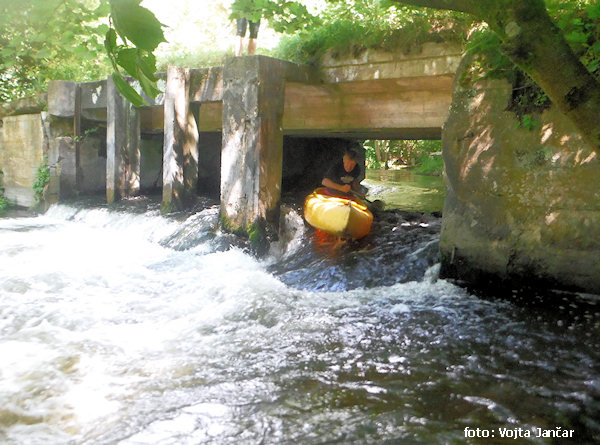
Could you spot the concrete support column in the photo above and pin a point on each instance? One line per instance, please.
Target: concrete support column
(122, 146)
(180, 156)
(252, 153)
(63, 133)
(78, 137)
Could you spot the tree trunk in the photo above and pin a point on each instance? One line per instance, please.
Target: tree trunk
(377, 147)
(536, 45)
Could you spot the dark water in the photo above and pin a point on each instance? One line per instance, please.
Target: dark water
(122, 326)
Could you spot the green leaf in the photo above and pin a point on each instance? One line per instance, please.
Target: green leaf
(127, 58)
(577, 37)
(147, 65)
(110, 41)
(137, 24)
(101, 29)
(148, 86)
(103, 9)
(593, 65)
(127, 91)
(593, 11)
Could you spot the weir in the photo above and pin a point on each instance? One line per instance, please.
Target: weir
(253, 102)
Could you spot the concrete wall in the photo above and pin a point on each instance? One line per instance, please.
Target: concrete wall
(92, 163)
(523, 206)
(21, 152)
(151, 163)
(25, 139)
(209, 164)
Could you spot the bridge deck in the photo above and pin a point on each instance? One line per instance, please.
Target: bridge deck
(378, 95)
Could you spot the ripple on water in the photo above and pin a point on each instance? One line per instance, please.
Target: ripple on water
(163, 339)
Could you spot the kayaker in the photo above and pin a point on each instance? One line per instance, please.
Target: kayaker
(343, 176)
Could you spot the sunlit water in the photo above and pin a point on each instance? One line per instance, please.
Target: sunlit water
(123, 326)
(405, 189)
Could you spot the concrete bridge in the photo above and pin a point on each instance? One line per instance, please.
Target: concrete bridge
(253, 102)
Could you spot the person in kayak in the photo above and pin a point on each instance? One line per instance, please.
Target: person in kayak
(343, 176)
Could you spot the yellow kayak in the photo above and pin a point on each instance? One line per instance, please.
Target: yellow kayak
(343, 216)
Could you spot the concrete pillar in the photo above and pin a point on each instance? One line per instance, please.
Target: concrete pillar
(252, 153)
(180, 156)
(78, 136)
(63, 145)
(122, 146)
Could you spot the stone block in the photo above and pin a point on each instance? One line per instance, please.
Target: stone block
(93, 94)
(61, 98)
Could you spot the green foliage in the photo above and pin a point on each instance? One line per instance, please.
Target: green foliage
(283, 16)
(580, 23)
(490, 60)
(137, 26)
(420, 154)
(4, 203)
(86, 133)
(579, 20)
(49, 39)
(348, 28)
(528, 122)
(41, 180)
(431, 165)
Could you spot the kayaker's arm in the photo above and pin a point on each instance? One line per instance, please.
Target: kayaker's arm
(356, 189)
(333, 185)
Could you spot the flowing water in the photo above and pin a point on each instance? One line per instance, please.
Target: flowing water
(122, 326)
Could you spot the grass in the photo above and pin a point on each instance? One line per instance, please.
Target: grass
(347, 36)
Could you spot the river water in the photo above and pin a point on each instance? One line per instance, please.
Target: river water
(405, 189)
(122, 326)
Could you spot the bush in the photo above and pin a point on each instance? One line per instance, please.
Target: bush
(41, 180)
(431, 164)
(4, 204)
